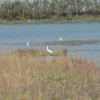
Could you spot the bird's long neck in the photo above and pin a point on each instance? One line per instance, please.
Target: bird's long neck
(47, 47)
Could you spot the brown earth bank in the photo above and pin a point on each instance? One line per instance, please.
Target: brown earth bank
(63, 42)
(70, 43)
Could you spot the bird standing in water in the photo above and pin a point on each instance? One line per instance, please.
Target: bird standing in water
(60, 39)
(27, 43)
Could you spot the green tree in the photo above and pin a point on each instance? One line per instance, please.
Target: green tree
(36, 8)
(45, 9)
(5, 10)
(63, 7)
(54, 7)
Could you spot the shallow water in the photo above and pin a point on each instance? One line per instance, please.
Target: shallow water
(15, 37)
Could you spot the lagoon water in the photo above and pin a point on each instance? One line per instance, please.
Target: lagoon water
(15, 36)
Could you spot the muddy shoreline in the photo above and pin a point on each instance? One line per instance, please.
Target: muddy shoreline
(69, 43)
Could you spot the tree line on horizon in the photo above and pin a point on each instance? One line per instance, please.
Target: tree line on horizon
(46, 9)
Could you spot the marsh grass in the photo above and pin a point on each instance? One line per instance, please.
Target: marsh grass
(37, 52)
(61, 79)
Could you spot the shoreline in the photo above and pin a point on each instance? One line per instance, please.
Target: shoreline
(67, 43)
(75, 19)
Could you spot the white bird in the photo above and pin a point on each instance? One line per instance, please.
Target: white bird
(60, 39)
(84, 9)
(49, 50)
(27, 43)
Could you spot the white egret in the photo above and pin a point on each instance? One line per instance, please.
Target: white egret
(49, 50)
(60, 39)
(27, 43)
(84, 9)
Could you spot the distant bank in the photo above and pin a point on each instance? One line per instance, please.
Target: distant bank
(82, 18)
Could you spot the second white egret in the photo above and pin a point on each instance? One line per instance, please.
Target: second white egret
(27, 43)
(60, 39)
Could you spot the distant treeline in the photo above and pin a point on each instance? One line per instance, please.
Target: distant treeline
(44, 9)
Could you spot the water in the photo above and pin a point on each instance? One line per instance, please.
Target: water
(15, 36)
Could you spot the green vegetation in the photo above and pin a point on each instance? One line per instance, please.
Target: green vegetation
(22, 78)
(39, 11)
(58, 20)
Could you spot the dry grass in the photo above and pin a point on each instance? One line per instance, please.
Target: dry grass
(36, 53)
(22, 78)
